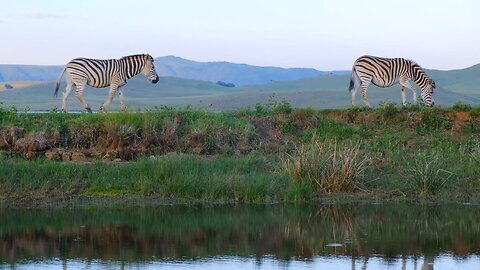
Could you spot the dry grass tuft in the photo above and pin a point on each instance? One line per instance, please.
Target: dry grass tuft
(329, 166)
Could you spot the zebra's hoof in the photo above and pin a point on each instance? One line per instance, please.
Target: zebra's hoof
(88, 109)
(64, 111)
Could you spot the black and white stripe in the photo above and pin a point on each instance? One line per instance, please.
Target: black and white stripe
(101, 73)
(385, 72)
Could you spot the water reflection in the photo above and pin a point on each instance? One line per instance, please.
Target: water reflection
(265, 237)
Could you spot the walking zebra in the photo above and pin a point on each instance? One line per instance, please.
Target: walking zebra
(101, 73)
(385, 72)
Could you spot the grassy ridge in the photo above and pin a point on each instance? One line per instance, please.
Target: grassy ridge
(268, 153)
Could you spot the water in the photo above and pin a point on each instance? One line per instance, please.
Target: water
(390, 236)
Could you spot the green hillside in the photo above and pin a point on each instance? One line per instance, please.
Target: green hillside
(465, 80)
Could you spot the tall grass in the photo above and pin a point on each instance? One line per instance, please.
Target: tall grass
(328, 166)
(428, 174)
(171, 176)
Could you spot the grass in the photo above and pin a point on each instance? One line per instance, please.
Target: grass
(271, 152)
(170, 176)
(428, 174)
(327, 166)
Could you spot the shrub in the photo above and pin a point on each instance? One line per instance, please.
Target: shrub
(287, 127)
(433, 119)
(388, 110)
(461, 107)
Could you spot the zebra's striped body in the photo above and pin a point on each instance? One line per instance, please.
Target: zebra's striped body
(385, 72)
(100, 73)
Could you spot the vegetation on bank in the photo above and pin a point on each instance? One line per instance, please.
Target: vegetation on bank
(271, 152)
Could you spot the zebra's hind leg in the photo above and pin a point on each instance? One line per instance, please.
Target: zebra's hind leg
(364, 95)
(353, 92)
(67, 91)
(79, 95)
(111, 93)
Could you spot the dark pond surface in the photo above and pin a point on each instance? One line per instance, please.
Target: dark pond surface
(365, 236)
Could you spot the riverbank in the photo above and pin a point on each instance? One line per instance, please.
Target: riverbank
(269, 153)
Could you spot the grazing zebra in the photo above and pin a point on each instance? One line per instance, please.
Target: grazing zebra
(101, 73)
(385, 72)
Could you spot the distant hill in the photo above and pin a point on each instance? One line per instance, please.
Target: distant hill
(9, 73)
(238, 74)
(172, 66)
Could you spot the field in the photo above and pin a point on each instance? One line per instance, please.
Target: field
(267, 153)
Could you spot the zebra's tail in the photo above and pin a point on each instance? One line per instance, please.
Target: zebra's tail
(352, 80)
(57, 82)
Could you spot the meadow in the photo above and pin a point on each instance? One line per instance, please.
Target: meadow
(267, 153)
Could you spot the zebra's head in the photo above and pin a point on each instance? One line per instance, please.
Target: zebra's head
(427, 93)
(148, 69)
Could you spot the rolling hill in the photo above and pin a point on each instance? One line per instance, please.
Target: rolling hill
(238, 74)
(323, 91)
(172, 66)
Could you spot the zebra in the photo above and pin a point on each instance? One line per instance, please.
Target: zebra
(385, 72)
(101, 73)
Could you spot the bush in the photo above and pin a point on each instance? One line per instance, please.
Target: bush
(461, 107)
(433, 119)
(224, 84)
(388, 110)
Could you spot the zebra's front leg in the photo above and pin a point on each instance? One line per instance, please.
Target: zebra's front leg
(414, 93)
(111, 93)
(404, 99)
(121, 97)
(406, 84)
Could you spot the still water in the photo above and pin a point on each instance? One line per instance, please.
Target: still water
(350, 236)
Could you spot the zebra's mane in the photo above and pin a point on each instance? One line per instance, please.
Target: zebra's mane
(143, 55)
(417, 67)
(414, 63)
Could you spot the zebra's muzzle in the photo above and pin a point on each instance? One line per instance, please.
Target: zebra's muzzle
(155, 80)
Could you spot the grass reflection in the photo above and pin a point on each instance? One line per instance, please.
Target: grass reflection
(142, 234)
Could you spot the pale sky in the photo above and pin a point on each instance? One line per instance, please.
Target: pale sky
(326, 35)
